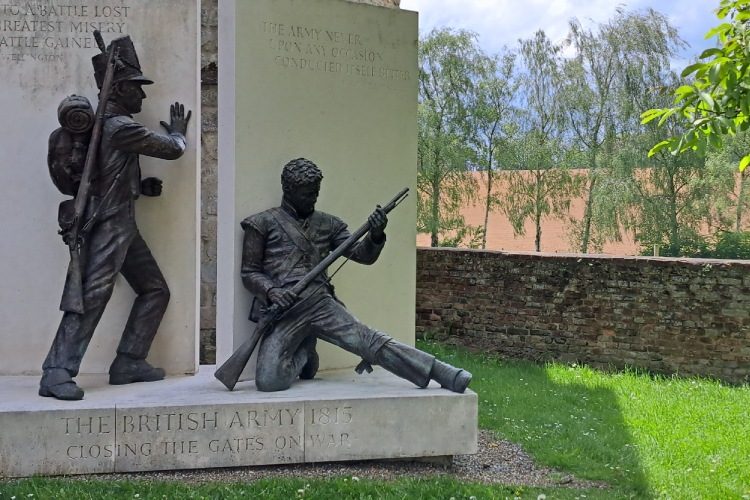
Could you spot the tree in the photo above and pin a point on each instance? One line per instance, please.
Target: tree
(544, 187)
(597, 107)
(449, 66)
(671, 210)
(717, 103)
(668, 195)
(729, 187)
(494, 112)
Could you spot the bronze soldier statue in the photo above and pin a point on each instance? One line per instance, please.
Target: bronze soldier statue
(281, 246)
(105, 235)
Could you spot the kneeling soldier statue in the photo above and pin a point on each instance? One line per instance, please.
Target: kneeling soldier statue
(99, 223)
(285, 252)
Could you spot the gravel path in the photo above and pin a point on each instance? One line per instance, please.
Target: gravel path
(497, 461)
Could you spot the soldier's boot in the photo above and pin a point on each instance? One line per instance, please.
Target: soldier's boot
(449, 377)
(313, 361)
(311, 367)
(404, 361)
(57, 383)
(127, 370)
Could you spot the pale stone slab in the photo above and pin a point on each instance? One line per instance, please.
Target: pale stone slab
(45, 54)
(335, 82)
(194, 422)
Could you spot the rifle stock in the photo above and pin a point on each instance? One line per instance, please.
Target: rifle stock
(72, 297)
(229, 372)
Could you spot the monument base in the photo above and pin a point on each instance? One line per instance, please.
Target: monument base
(194, 422)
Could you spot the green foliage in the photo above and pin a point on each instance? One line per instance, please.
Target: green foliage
(729, 200)
(541, 186)
(539, 114)
(691, 244)
(733, 246)
(717, 103)
(495, 118)
(449, 65)
(465, 236)
(603, 81)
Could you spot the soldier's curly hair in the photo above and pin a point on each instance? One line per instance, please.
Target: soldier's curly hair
(300, 172)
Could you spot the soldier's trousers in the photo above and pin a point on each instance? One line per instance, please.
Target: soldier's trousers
(284, 352)
(113, 246)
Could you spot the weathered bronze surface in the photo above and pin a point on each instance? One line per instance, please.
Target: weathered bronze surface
(99, 226)
(285, 252)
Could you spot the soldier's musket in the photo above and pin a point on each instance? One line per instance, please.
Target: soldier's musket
(72, 297)
(229, 373)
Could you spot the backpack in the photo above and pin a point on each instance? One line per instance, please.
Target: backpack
(68, 145)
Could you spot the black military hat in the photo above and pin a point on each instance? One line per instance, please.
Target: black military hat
(127, 66)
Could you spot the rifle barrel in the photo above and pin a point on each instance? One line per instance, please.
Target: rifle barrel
(341, 249)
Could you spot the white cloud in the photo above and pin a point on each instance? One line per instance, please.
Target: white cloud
(503, 22)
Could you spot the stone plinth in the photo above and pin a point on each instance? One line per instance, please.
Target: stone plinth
(194, 422)
(45, 55)
(334, 82)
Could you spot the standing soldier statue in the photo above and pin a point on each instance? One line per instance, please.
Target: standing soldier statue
(99, 226)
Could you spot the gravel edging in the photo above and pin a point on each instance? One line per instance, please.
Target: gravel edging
(497, 461)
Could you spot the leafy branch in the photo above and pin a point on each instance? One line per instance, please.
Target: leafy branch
(717, 103)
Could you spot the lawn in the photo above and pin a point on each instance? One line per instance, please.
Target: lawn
(660, 437)
(648, 437)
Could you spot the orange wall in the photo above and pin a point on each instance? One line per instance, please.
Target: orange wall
(554, 231)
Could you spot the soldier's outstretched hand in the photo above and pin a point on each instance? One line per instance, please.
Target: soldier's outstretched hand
(178, 119)
(378, 220)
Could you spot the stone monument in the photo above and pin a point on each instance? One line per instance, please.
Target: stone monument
(335, 82)
(326, 78)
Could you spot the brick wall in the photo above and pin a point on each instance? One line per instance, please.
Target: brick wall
(690, 317)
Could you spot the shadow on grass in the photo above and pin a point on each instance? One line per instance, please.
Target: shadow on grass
(564, 417)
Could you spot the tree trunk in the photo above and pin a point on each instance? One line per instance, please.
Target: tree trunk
(435, 203)
(538, 239)
(488, 201)
(435, 213)
(740, 202)
(588, 214)
(675, 243)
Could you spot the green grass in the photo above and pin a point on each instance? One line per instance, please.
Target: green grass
(323, 489)
(648, 437)
(651, 437)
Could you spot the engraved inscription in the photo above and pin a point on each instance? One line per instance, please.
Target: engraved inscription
(317, 49)
(43, 32)
(329, 440)
(323, 434)
(239, 435)
(87, 425)
(326, 416)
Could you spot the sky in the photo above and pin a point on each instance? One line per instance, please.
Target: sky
(503, 22)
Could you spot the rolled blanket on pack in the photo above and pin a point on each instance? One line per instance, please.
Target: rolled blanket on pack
(76, 114)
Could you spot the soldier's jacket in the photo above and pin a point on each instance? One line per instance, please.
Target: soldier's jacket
(271, 257)
(123, 139)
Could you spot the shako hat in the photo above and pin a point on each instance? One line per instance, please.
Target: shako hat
(127, 66)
